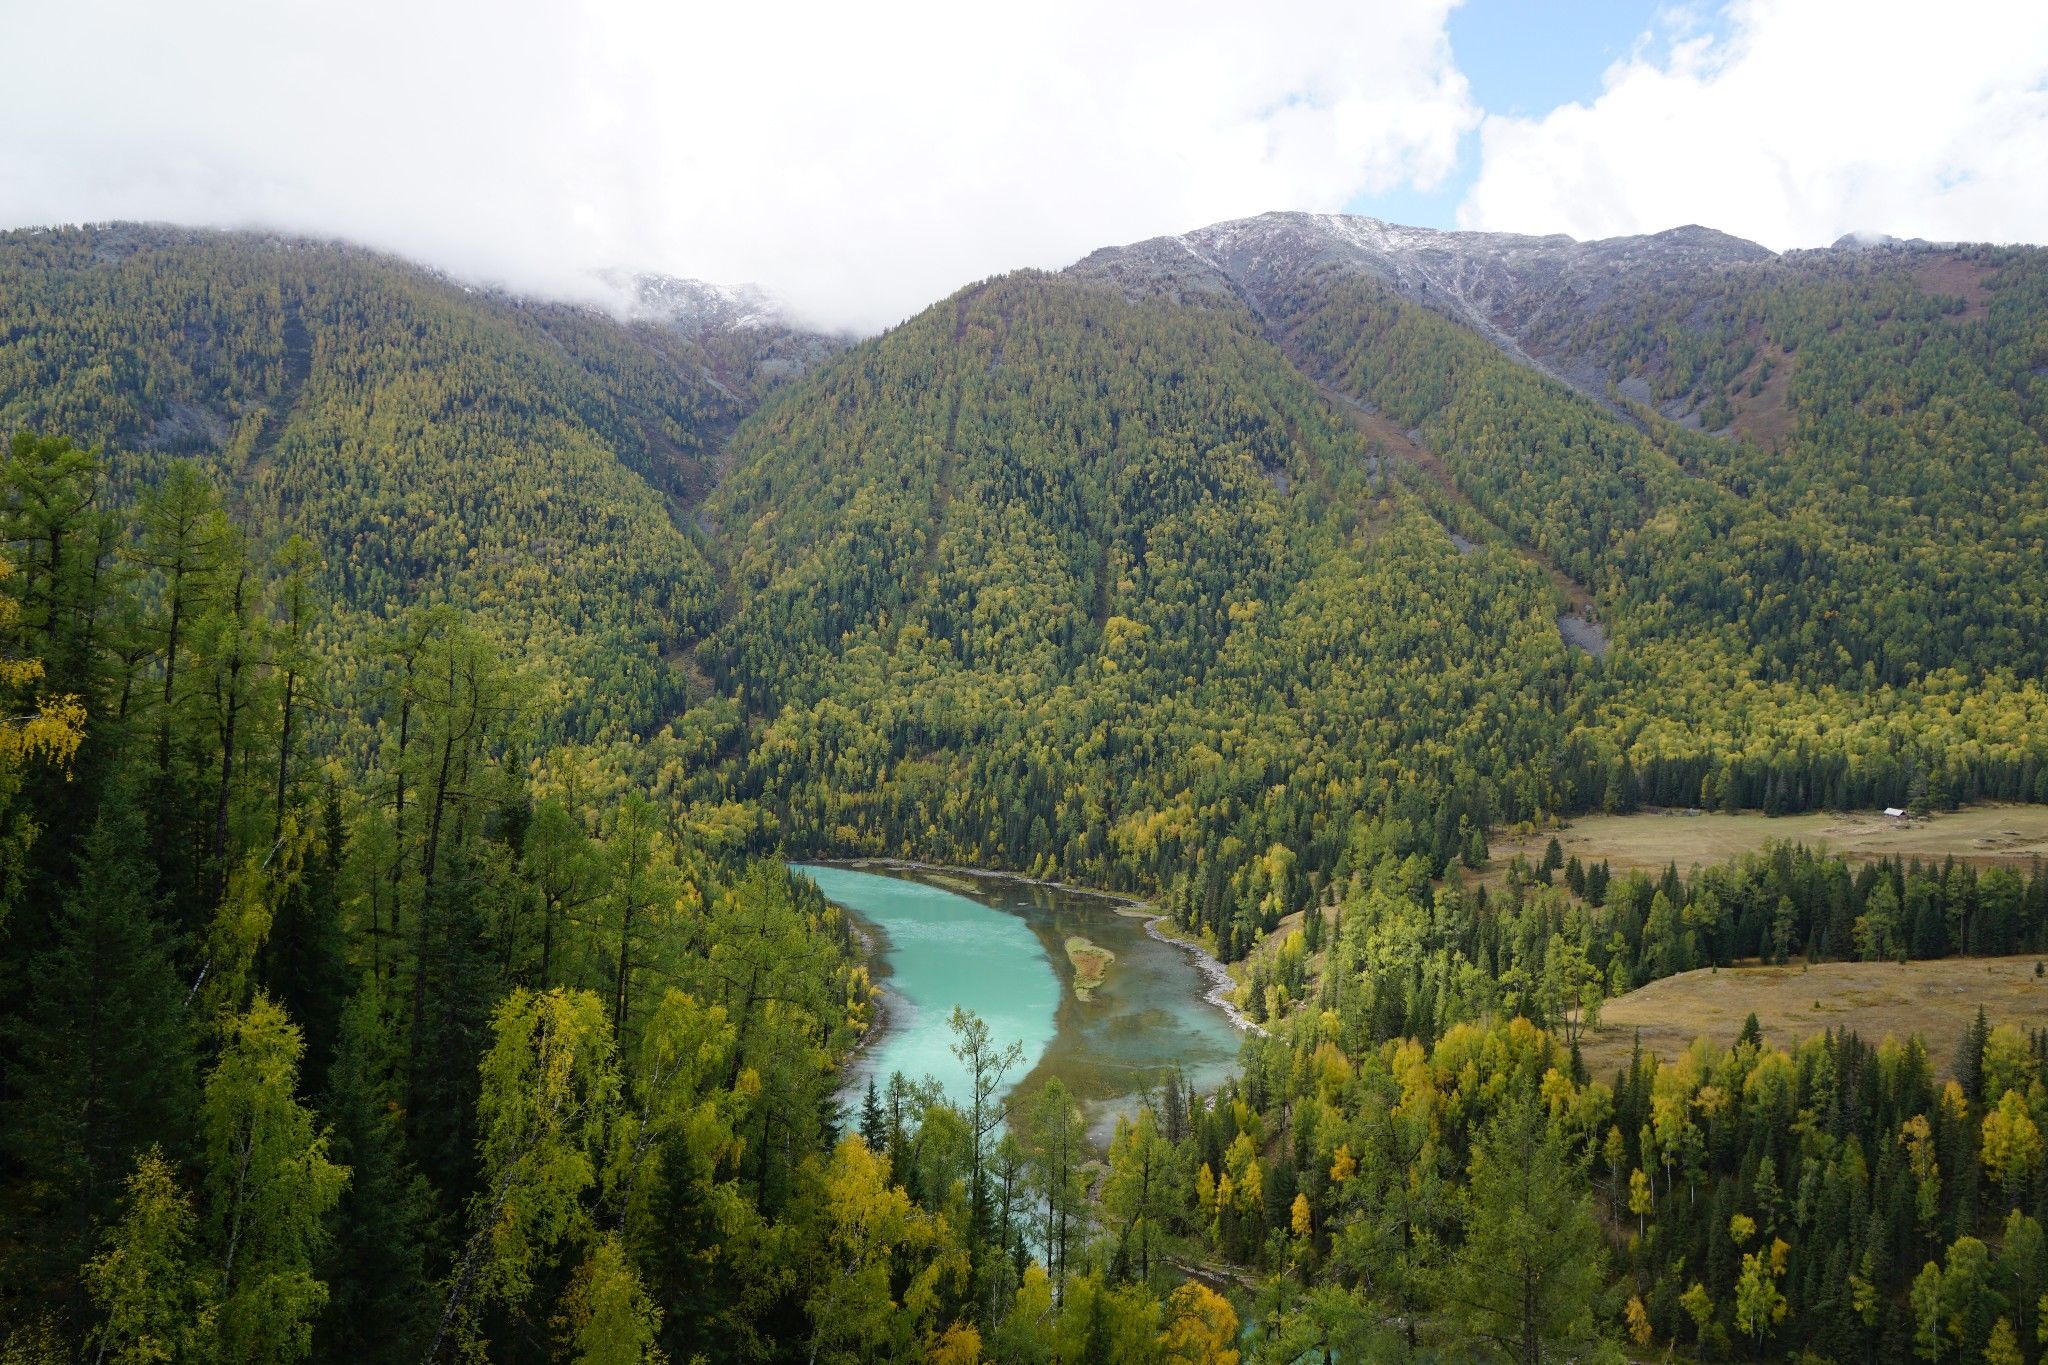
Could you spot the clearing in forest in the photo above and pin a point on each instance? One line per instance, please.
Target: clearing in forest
(1878, 1000)
(2012, 835)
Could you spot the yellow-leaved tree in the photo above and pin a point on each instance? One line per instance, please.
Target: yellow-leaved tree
(1201, 1327)
(36, 729)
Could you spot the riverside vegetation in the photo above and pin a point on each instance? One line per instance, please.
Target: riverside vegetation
(415, 691)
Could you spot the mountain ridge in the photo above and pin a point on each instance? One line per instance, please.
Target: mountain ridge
(822, 498)
(1496, 283)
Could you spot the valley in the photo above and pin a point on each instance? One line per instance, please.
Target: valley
(503, 766)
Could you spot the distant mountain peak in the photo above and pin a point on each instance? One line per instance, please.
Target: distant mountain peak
(1248, 256)
(694, 306)
(1865, 240)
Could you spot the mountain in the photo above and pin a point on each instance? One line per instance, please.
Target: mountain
(434, 440)
(1092, 582)
(749, 340)
(1502, 285)
(1198, 572)
(694, 307)
(1788, 602)
(1879, 412)
(1199, 567)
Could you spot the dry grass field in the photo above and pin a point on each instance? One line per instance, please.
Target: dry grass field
(1937, 1000)
(1985, 835)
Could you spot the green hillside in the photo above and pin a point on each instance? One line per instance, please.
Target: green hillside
(1107, 589)
(432, 442)
(1824, 633)
(1883, 437)
(1074, 583)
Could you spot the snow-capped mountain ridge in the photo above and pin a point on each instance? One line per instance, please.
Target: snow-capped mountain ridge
(1251, 257)
(1499, 283)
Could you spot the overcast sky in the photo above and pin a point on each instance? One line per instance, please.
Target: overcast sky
(863, 160)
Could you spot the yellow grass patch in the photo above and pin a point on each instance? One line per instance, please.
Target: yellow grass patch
(1878, 1000)
(1984, 835)
(1091, 964)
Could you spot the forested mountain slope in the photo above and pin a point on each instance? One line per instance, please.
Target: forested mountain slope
(533, 460)
(1502, 284)
(1873, 502)
(1105, 587)
(1203, 567)
(1204, 586)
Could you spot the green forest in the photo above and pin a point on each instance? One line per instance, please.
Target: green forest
(415, 692)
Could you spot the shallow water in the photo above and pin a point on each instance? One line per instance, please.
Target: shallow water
(998, 947)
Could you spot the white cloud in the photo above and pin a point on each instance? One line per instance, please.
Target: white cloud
(1811, 118)
(861, 160)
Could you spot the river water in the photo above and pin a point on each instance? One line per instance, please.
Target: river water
(999, 947)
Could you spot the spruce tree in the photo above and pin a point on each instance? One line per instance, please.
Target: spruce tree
(381, 1303)
(302, 963)
(1970, 1057)
(105, 1045)
(874, 1124)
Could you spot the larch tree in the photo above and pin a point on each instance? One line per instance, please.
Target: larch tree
(153, 1297)
(550, 1084)
(269, 1187)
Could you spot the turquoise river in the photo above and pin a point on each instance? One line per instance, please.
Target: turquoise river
(1000, 947)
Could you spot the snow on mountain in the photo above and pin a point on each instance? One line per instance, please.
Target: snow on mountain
(1482, 274)
(694, 306)
(1504, 285)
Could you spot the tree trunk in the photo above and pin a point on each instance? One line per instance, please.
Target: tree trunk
(227, 748)
(163, 736)
(284, 754)
(423, 938)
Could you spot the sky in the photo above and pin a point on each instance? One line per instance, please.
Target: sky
(861, 161)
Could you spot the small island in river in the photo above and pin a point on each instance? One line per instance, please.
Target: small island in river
(1136, 1015)
(1091, 965)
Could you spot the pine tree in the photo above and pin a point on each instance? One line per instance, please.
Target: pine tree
(184, 534)
(302, 963)
(987, 1064)
(874, 1123)
(1057, 1149)
(440, 1098)
(1140, 1196)
(1970, 1058)
(52, 513)
(1752, 1032)
(40, 741)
